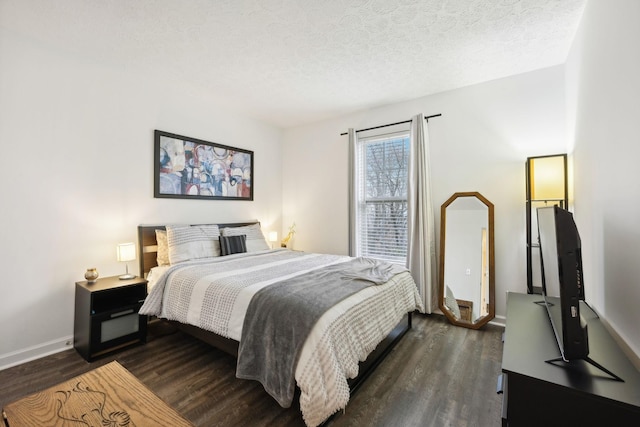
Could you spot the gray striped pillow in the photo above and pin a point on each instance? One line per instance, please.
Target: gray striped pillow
(233, 244)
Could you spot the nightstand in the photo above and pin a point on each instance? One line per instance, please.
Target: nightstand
(106, 315)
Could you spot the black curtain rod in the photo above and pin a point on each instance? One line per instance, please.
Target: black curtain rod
(391, 124)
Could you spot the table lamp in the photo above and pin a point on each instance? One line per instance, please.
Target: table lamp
(126, 252)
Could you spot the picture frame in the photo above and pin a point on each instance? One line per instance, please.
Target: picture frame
(190, 168)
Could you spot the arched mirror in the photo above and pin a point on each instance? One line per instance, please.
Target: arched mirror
(467, 273)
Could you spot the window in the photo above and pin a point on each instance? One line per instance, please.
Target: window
(382, 165)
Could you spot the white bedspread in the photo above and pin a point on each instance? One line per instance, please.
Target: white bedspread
(214, 296)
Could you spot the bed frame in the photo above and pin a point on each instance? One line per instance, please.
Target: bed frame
(148, 248)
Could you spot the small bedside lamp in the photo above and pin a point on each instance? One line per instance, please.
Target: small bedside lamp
(273, 237)
(126, 252)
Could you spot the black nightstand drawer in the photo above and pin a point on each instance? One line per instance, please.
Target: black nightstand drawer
(112, 329)
(110, 300)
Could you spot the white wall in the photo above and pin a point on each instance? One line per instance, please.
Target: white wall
(603, 80)
(77, 138)
(480, 143)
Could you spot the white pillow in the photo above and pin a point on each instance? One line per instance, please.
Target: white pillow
(189, 242)
(255, 238)
(162, 254)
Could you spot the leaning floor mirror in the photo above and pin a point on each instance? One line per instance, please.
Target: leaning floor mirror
(467, 270)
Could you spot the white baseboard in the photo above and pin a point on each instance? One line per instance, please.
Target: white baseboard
(499, 321)
(36, 352)
(633, 356)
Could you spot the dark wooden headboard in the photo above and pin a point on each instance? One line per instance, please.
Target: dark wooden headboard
(148, 246)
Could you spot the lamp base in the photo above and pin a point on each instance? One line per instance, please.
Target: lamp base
(126, 277)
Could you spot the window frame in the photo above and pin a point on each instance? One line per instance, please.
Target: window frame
(363, 228)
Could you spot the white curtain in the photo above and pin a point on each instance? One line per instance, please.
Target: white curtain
(421, 254)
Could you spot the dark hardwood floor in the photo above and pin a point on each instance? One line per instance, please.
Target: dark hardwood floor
(438, 375)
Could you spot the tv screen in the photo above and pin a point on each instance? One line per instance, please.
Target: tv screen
(562, 286)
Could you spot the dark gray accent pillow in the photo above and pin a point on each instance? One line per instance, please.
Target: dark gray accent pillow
(233, 244)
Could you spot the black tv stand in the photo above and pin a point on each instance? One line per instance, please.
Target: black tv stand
(588, 360)
(537, 393)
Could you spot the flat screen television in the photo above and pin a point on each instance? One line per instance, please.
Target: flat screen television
(562, 285)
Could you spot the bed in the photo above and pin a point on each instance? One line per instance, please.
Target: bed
(222, 282)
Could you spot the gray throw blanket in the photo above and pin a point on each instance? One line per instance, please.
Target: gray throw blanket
(280, 317)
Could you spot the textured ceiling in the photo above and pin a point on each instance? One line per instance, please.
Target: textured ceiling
(291, 62)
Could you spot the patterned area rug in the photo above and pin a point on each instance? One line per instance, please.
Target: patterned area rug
(108, 396)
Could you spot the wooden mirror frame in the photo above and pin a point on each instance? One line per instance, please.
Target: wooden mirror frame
(441, 297)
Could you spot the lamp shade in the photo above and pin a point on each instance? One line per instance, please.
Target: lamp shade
(273, 236)
(126, 251)
(547, 177)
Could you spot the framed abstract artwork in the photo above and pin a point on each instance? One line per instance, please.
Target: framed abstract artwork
(189, 168)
